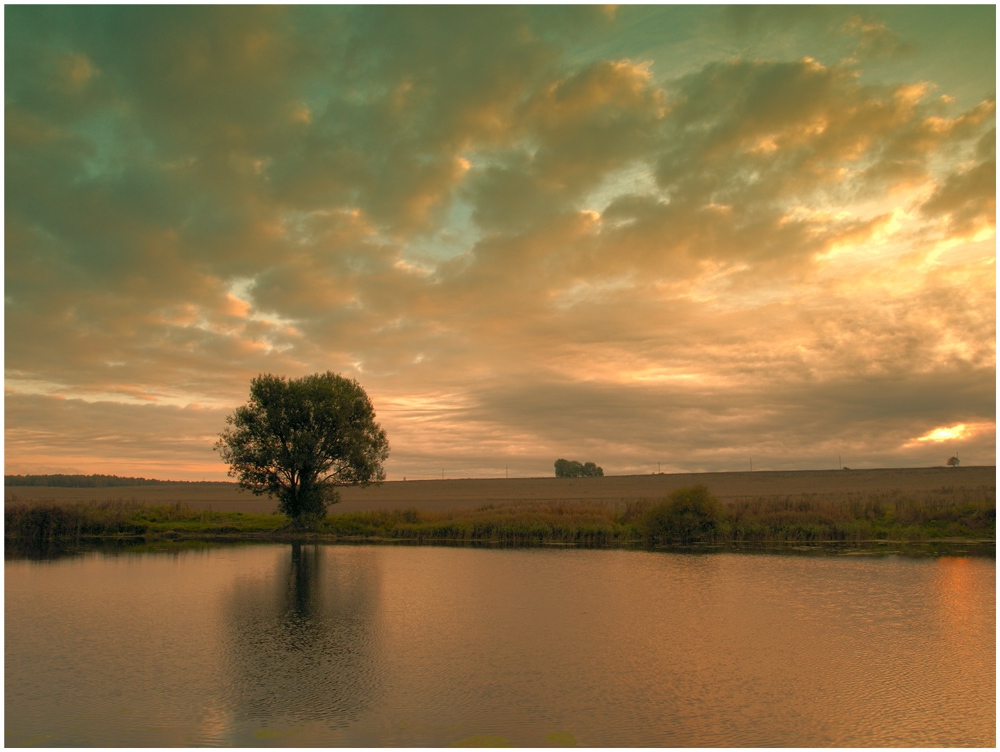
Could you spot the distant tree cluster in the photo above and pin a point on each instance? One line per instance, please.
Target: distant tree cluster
(573, 469)
(80, 481)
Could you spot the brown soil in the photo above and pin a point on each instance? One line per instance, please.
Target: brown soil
(440, 495)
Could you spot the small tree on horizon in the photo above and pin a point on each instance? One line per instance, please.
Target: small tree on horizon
(574, 469)
(298, 439)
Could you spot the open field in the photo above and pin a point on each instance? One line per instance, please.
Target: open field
(468, 494)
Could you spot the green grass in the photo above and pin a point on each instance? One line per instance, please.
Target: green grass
(962, 514)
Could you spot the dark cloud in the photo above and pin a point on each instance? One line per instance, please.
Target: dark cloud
(968, 199)
(576, 131)
(755, 131)
(777, 421)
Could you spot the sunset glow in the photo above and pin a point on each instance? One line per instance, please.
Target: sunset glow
(945, 434)
(685, 235)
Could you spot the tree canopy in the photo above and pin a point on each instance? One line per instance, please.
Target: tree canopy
(574, 469)
(298, 439)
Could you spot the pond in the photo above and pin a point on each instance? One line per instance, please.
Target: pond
(297, 645)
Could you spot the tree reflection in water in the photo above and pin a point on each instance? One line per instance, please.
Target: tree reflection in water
(301, 640)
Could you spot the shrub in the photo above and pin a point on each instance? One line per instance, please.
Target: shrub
(687, 515)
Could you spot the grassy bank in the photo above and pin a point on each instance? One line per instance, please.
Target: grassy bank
(48, 521)
(689, 516)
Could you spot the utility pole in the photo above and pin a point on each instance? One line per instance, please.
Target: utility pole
(840, 465)
(751, 464)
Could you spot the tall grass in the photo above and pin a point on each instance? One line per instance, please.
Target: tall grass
(682, 518)
(885, 515)
(897, 516)
(50, 521)
(586, 523)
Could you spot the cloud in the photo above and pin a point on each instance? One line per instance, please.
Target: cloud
(533, 223)
(49, 435)
(710, 428)
(966, 199)
(875, 38)
(573, 133)
(860, 35)
(759, 131)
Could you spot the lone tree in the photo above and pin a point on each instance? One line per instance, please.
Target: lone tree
(573, 469)
(298, 439)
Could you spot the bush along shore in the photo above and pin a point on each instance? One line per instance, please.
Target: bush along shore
(690, 517)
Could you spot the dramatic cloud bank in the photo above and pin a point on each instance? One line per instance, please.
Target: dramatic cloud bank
(689, 236)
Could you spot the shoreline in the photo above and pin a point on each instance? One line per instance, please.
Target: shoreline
(170, 541)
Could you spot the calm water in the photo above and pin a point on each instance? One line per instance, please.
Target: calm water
(380, 645)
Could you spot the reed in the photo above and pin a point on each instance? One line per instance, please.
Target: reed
(587, 523)
(963, 514)
(124, 517)
(886, 515)
(893, 515)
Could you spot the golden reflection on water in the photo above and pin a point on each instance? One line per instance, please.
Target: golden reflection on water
(964, 613)
(298, 645)
(954, 591)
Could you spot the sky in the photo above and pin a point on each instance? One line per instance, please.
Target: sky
(675, 238)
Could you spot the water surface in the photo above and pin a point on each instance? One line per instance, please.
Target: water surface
(376, 645)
